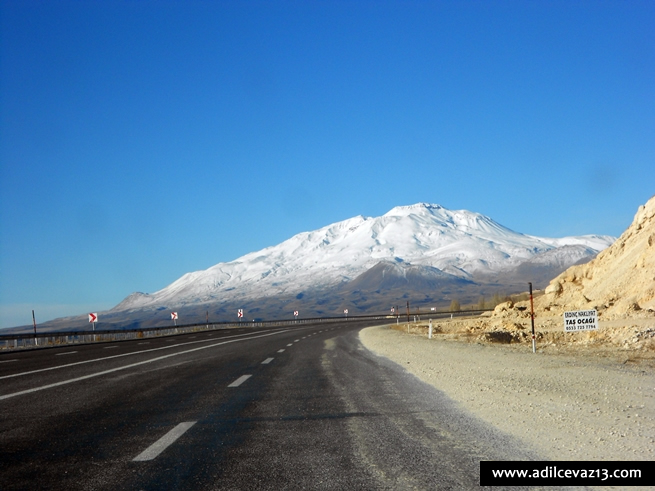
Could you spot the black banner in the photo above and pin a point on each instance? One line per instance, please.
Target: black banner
(575, 473)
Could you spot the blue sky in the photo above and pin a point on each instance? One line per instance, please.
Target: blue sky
(140, 140)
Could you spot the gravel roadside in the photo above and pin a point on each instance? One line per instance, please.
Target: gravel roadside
(568, 406)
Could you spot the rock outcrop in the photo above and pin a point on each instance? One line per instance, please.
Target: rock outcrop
(619, 281)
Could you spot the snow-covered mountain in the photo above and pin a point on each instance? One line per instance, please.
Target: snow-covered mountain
(423, 240)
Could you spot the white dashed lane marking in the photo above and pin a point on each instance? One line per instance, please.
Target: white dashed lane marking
(131, 354)
(67, 353)
(290, 344)
(109, 347)
(280, 350)
(7, 361)
(267, 361)
(125, 367)
(240, 380)
(164, 442)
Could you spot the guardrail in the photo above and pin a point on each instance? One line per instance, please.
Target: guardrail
(62, 338)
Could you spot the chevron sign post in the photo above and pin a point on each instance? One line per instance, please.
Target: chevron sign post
(240, 314)
(174, 317)
(93, 317)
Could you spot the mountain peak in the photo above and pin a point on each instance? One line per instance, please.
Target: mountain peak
(429, 236)
(409, 209)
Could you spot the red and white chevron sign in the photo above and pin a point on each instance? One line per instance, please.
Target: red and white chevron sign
(295, 312)
(93, 317)
(173, 316)
(240, 313)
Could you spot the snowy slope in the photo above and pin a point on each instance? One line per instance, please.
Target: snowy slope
(459, 243)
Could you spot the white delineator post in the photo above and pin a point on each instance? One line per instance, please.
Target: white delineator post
(430, 330)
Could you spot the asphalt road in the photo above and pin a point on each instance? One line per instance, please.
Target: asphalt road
(302, 407)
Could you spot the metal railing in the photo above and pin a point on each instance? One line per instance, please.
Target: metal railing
(62, 338)
(10, 342)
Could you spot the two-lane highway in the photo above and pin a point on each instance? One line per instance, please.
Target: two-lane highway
(300, 407)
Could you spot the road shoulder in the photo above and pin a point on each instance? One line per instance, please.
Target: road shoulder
(567, 407)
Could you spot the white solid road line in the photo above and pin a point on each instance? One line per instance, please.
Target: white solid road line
(267, 361)
(6, 361)
(163, 357)
(164, 442)
(67, 353)
(240, 380)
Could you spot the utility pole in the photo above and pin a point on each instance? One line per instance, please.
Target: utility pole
(36, 342)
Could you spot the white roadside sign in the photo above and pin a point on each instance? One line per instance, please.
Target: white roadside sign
(580, 320)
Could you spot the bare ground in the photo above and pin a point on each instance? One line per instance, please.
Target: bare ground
(581, 400)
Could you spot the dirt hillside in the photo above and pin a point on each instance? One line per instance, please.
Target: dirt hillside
(619, 283)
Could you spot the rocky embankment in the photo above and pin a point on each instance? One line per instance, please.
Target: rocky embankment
(619, 284)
